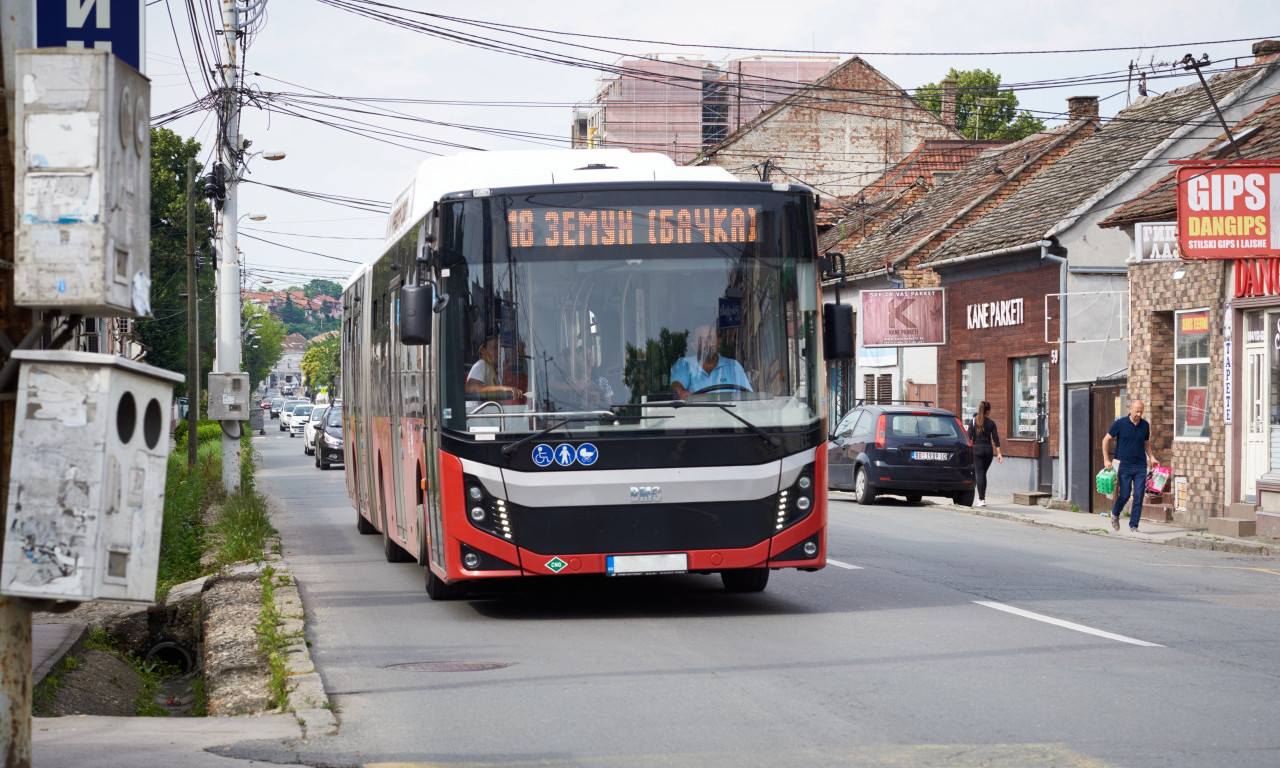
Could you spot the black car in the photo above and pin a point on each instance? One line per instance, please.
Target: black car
(329, 442)
(903, 449)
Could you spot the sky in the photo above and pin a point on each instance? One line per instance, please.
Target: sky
(1049, 50)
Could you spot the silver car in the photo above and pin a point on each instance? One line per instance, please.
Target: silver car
(299, 417)
(314, 423)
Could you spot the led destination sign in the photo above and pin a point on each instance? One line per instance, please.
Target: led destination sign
(652, 225)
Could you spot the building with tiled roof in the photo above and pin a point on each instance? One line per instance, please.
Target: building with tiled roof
(836, 134)
(1202, 337)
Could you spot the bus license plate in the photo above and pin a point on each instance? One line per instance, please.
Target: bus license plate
(929, 456)
(672, 563)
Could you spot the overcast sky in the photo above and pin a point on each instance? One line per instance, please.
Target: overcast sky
(309, 46)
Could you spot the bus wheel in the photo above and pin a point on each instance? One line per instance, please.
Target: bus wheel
(438, 590)
(364, 526)
(745, 579)
(391, 550)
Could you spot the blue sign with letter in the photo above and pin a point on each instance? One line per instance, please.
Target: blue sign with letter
(105, 25)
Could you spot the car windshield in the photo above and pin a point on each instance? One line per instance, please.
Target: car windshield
(923, 425)
(553, 331)
(278, 401)
(301, 410)
(333, 418)
(318, 414)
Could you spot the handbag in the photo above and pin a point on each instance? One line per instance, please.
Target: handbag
(1157, 478)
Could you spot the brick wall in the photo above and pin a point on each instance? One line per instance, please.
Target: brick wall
(999, 346)
(1154, 296)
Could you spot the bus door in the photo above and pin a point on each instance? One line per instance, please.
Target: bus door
(395, 442)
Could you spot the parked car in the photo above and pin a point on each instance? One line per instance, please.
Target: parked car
(286, 412)
(902, 449)
(277, 404)
(328, 447)
(299, 417)
(314, 423)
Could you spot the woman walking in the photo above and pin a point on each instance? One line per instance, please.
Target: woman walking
(986, 445)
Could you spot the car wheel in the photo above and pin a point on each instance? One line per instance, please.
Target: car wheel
(862, 490)
(964, 498)
(745, 579)
(914, 498)
(320, 462)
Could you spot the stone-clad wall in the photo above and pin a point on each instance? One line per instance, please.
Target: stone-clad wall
(1154, 296)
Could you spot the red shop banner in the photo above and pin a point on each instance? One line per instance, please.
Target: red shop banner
(1230, 210)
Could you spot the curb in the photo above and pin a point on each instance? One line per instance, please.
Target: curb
(307, 699)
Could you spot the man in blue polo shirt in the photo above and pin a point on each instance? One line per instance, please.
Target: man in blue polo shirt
(706, 368)
(1132, 435)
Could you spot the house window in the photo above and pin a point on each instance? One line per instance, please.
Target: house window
(1025, 387)
(878, 388)
(1191, 374)
(973, 388)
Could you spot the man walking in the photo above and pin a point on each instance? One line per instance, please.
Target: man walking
(1132, 435)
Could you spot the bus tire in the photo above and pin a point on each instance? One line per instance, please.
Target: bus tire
(364, 526)
(390, 549)
(438, 590)
(745, 579)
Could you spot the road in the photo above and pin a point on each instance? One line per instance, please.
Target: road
(934, 638)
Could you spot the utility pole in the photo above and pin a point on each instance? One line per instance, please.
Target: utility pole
(15, 323)
(193, 319)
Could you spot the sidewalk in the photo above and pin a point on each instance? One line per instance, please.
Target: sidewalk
(1150, 532)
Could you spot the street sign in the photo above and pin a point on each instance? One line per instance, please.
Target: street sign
(105, 25)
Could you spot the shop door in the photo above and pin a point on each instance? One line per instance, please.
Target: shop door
(1106, 408)
(1256, 459)
(1044, 470)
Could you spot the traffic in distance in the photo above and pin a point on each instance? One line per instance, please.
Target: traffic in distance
(611, 369)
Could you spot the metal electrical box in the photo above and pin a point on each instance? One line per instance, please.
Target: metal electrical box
(86, 490)
(229, 396)
(83, 183)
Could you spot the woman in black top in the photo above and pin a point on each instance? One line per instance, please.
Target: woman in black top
(986, 445)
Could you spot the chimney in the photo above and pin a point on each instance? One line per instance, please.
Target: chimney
(949, 101)
(1082, 107)
(1265, 50)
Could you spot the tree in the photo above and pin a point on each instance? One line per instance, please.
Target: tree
(320, 287)
(983, 111)
(258, 361)
(164, 334)
(321, 363)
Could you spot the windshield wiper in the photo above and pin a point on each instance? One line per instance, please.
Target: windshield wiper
(726, 407)
(510, 448)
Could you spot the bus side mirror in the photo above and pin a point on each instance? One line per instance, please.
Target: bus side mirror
(415, 314)
(837, 332)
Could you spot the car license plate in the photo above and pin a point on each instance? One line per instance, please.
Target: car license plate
(671, 563)
(929, 456)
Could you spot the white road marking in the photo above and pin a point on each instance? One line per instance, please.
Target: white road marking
(1065, 624)
(845, 566)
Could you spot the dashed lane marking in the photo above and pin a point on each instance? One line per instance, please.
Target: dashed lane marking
(845, 566)
(1066, 624)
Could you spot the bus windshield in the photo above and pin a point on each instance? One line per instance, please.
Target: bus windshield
(614, 310)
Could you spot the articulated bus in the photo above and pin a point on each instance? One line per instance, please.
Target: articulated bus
(589, 362)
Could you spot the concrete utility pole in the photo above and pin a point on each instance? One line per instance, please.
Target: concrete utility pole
(15, 323)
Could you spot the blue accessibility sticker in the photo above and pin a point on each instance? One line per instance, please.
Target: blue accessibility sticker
(542, 455)
(587, 454)
(565, 455)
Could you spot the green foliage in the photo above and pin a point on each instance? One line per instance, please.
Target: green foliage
(648, 371)
(320, 287)
(206, 431)
(321, 363)
(188, 492)
(983, 111)
(46, 692)
(258, 361)
(242, 529)
(165, 333)
(271, 642)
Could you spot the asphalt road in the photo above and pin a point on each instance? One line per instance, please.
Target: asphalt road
(933, 638)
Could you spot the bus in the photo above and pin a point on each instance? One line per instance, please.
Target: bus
(589, 362)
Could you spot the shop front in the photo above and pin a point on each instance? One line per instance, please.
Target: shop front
(1255, 316)
(997, 351)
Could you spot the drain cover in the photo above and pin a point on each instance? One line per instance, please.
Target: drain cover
(447, 666)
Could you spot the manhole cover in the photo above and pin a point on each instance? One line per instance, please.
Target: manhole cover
(447, 666)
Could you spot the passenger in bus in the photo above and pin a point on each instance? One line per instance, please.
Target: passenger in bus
(482, 379)
(706, 368)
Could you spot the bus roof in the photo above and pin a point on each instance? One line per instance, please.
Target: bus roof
(438, 176)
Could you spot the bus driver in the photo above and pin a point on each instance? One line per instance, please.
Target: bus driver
(482, 379)
(706, 368)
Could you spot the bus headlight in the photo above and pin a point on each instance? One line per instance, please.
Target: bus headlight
(485, 512)
(795, 503)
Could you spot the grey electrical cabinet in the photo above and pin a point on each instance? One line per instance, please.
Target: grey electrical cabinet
(229, 396)
(82, 128)
(86, 490)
